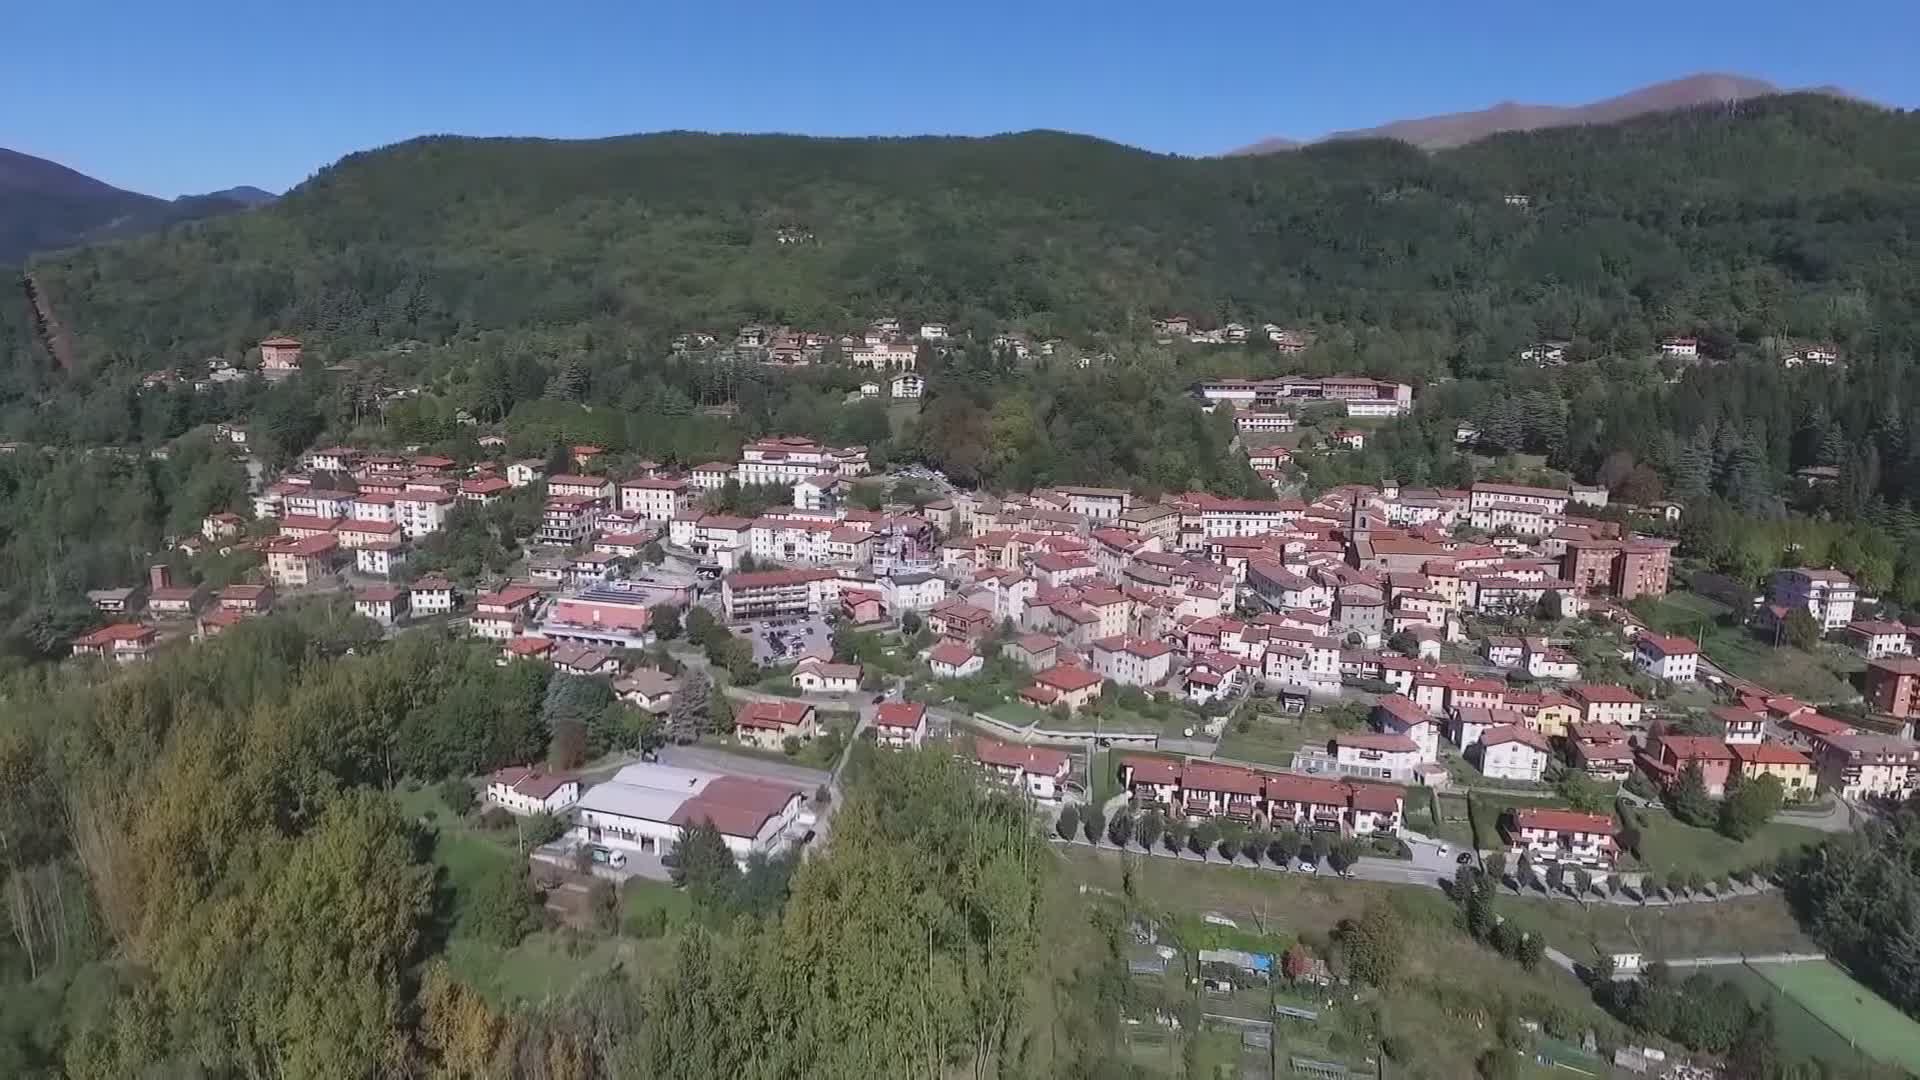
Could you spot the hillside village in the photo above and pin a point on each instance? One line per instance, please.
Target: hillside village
(1487, 635)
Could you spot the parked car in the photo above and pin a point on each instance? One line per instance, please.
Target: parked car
(1465, 858)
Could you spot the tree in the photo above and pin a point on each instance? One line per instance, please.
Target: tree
(1496, 1063)
(1800, 629)
(1203, 837)
(1149, 829)
(1531, 951)
(1175, 835)
(664, 621)
(691, 711)
(1687, 798)
(1068, 823)
(1343, 853)
(1374, 943)
(1749, 805)
(1120, 829)
(910, 623)
(501, 907)
(457, 794)
(701, 863)
(1094, 823)
(567, 748)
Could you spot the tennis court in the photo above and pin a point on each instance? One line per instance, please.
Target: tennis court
(1855, 1013)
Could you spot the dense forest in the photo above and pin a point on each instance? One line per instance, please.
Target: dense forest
(1655, 226)
(206, 872)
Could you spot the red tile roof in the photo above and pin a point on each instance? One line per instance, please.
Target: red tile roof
(1507, 733)
(1037, 760)
(772, 715)
(949, 654)
(1152, 770)
(900, 714)
(1066, 678)
(1612, 695)
(1767, 753)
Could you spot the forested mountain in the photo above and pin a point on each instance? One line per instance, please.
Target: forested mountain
(45, 206)
(1459, 129)
(1783, 214)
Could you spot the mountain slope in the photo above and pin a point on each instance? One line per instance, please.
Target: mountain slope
(1459, 129)
(1637, 229)
(45, 206)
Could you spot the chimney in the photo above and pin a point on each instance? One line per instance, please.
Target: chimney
(159, 576)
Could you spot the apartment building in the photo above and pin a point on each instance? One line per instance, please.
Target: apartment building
(1827, 595)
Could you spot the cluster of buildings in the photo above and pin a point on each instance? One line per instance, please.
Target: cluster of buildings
(1203, 789)
(645, 808)
(1284, 340)
(1259, 404)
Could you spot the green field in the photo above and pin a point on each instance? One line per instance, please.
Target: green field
(547, 965)
(1818, 676)
(1668, 845)
(1748, 924)
(1854, 1015)
(1271, 739)
(1019, 714)
(1443, 1004)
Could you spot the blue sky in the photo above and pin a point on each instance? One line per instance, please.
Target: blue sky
(203, 94)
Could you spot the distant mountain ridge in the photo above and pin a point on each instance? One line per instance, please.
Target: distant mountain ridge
(46, 206)
(1457, 129)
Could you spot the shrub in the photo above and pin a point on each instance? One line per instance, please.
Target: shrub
(457, 794)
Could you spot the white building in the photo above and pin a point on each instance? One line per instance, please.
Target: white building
(1397, 715)
(900, 725)
(1132, 661)
(527, 789)
(907, 386)
(655, 500)
(1675, 659)
(1381, 757)
(1512, 752)
(430, 596)
(1038, 771)
(1827, 595)
(1878, 639)
(789, 459)
(645, 808)
(421, 512)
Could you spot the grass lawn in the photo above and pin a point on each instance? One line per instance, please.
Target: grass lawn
(641, 895)
(1802, 1035)
(1113, 720)
(1454, 825)
(547, 965)
(1751, 924)
(1850, 1009)
(1668, 845)
(1019, 714)
(1272, 738)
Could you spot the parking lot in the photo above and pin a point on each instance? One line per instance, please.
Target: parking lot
(781, 641)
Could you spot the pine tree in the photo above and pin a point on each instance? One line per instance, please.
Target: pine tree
(691, 708)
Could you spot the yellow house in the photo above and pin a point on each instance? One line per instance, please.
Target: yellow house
(1793, 768)
(1547, 713)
